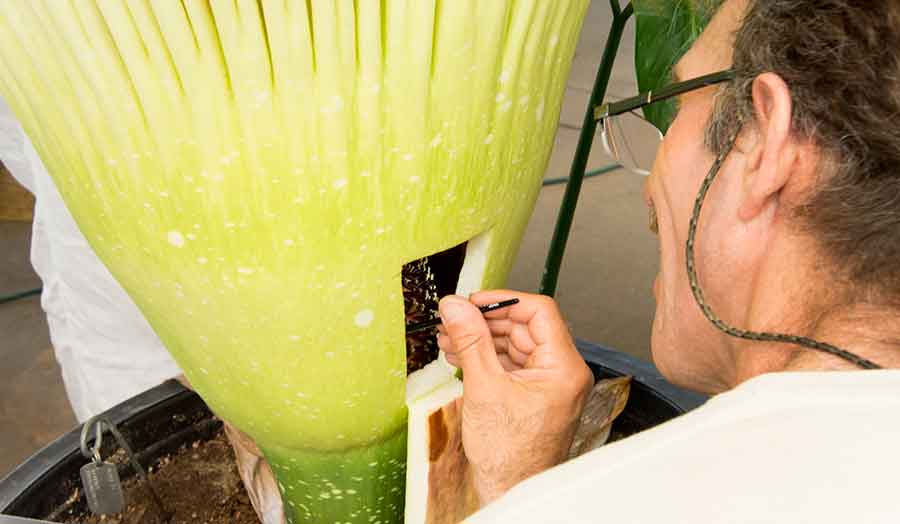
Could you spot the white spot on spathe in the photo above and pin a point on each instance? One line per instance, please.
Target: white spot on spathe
(246, 270)
(202, 260)
(175, 238)
(436, 141)
(288, 242)
(365, 174)
(414, 179)
(504, 76)
(408, 157)
(364, 318)
(340, 183)
(293, 338)
(501, 96)
(488, 139)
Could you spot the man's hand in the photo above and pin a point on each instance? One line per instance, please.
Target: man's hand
(525, 385)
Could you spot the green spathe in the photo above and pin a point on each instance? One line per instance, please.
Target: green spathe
(364, 484)
(255, 173)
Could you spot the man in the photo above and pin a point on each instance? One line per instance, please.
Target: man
(799, 235)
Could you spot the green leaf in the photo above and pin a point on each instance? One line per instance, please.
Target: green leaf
(664, 31)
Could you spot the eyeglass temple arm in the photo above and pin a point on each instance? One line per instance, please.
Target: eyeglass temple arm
(630, 104)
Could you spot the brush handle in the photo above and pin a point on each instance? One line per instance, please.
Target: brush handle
(420, 326)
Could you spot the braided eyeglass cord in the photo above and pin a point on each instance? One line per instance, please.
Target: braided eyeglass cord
(719, 323)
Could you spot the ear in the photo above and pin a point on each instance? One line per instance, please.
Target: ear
(774, 154)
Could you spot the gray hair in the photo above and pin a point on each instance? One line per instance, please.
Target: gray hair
(841, 62)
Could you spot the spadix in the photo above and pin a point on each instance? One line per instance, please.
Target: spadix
(255, 174)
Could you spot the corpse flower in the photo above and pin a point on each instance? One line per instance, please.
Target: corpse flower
(255, 173)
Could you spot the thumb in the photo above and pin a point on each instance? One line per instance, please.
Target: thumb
(470, 338)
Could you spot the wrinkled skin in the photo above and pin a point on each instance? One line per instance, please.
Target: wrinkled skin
(525, 386)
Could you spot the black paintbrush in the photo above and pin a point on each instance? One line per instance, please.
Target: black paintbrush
(419, 326)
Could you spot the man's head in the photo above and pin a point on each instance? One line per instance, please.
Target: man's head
(804, 218)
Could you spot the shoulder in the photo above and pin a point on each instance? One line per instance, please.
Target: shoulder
(811, 446)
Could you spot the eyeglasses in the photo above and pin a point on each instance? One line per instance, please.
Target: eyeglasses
(632, 140)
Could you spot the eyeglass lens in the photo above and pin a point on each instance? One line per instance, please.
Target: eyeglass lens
(632, 141)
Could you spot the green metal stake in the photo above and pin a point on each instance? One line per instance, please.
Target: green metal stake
(576, 173)
(590, 174)
(16, 296)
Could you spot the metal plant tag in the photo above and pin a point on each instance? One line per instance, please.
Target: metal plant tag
(102, 488)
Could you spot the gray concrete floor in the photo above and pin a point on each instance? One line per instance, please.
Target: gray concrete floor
(604, 288)
(33, 405)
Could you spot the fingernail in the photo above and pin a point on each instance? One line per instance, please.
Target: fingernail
(451, 310)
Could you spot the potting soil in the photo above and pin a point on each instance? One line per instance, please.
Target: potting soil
(199, 483)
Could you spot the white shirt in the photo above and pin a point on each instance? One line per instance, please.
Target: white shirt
(817, 447)
(106, 349)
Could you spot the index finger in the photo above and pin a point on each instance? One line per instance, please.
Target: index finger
(531, 307)
(528, 305)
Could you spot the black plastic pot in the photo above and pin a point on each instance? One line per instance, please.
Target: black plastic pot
(168, 416)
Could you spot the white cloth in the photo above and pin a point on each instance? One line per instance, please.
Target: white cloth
(105, 348)
(818, 447)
